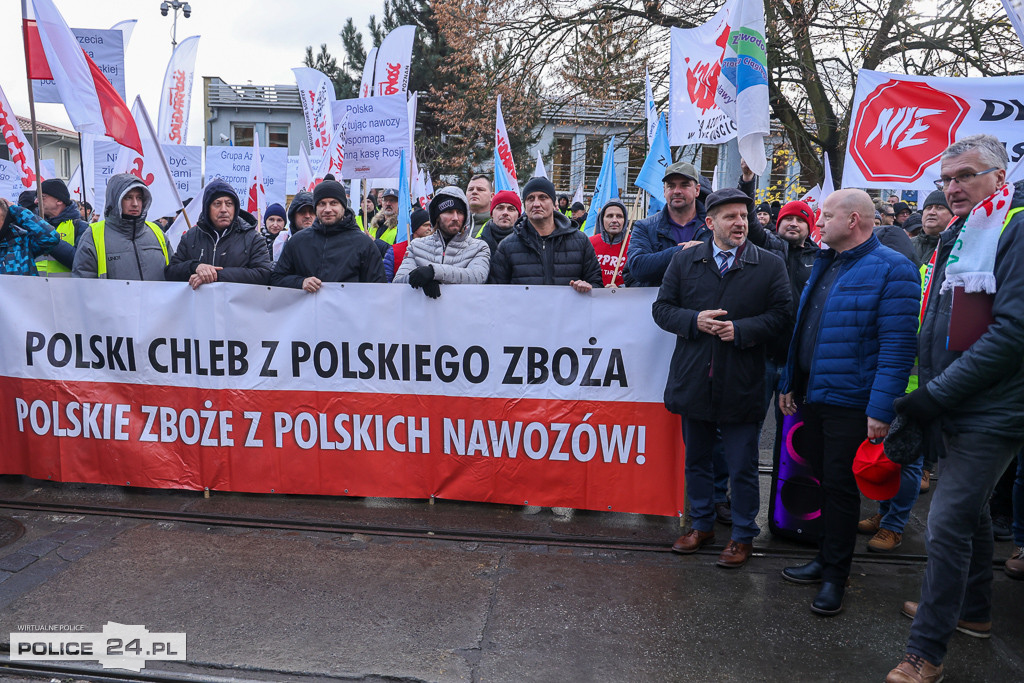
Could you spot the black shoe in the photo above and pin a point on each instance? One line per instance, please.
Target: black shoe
(1002, 528)
(805, 573)
(723, 513)
(829, 601)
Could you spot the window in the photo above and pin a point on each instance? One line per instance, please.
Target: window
(637, 156)
(708, 160)
(277, 135)
(63, 162)
(561, 165)
(242, 134)
(592, 164)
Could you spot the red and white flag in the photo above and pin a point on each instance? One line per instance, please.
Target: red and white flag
(334, 157)
(18, 148)
(505, 177)
(430, 187)
(421, 190)
(394, 61)
(257, 202)
(150, 166)
(304, 173)
(53, 52)
(366, 84)
(317, 94)
(176, 94)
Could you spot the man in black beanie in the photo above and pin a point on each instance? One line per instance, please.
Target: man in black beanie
(935, 218)
(334, 249)
(63, 215)
(544, 248)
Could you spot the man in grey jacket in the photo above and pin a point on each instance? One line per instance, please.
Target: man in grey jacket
(449, 255)
(123, 246)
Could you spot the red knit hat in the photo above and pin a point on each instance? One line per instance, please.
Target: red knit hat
(507, 197)
(799, 209)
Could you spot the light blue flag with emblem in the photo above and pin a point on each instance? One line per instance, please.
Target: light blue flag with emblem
(404, 200)
(653, 170)
(607, 188)
(501, 179)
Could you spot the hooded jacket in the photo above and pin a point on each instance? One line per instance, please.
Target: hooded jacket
(134, 251)
(462, 260)
(982, 388)
(239, 249)
(608, 247)
(526, 258)
(300, 200)
(24, 237)
(340, 253)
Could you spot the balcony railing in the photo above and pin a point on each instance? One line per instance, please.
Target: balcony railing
(261, 96)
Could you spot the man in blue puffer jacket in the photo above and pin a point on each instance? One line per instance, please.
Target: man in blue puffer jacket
(851, 355)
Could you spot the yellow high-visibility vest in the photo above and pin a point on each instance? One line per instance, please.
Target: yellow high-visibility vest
(47, 265)
(100, 240)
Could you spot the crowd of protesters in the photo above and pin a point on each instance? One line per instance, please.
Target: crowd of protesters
(829, 309)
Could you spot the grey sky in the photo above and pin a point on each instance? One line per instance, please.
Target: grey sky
(242, 40)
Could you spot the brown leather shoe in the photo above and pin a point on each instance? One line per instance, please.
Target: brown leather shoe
(885, 541)
(735, 555)
(693, 541)
(1014, 567)
(871, 525)
(926, 481)
(915, 669)
(975, 629)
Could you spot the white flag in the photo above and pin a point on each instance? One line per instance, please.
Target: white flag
(714, 180)
(827, 184)
(743, 88)
(19, 151)
(366, 84)
(304, 174)
(539, 171)
(151, 166)
(125, 27)
(394, 61)
(578, 197)
(180, 225)
(317, 94)
(176, 94)
(334, 156)
(652, 110)
(257, 201)
(430, 186)
(1015, 11)
(421, 190)
(813, 195)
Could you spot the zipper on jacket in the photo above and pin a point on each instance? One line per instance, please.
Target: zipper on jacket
(138, 259)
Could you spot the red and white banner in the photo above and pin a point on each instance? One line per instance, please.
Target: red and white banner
(505, 177)
(304, 180)
(393, 62)
(901, 124)
(366, 84)
(150, 166)
(317, 93)
(176, 94)
(274, 390)
(333, 159)
(19, 150)
(256, 202)
(695, 65)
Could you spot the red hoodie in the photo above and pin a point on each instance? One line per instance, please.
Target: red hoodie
(608, 257)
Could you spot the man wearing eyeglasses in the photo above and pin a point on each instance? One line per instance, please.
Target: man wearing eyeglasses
(976, 396)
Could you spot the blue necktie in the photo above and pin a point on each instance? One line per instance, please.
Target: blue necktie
(723, 257)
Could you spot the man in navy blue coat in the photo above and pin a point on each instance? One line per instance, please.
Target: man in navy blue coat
(850, 358)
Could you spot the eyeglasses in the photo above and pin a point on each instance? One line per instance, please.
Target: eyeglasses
(890, 214)
(962, 179)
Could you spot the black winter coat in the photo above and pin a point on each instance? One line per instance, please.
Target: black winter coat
(710, 379)
(896, 238)
(341, 253)
(982, 389)
(239, 249)
(526, 258)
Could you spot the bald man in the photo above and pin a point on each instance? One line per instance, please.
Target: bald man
(851, 355)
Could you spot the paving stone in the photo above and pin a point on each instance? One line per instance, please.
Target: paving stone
(16, 561)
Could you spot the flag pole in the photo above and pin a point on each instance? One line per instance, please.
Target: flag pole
(81, 169)
(628, 230)
(32, 110)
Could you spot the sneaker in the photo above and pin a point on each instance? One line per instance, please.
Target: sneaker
(974, 629)
(1014, 566)
(885, 541)
(871, 525)
(1002, 528)
(926, 481)
(915, 669)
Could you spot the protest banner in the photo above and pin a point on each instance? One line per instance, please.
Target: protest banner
(901, 124)
(377, 131)
(317, 93)
(271, 390)
(176, 93)
(150, 166)
(10, 180)
(18, 148)
(186, 163)
(105, 47)
(393, 62)
(232, 164)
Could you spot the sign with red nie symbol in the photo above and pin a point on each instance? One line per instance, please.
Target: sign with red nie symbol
(901, 125)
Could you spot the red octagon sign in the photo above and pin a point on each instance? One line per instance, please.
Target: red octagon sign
(901, 129)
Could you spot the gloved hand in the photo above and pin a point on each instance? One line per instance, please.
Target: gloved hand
(419, 277)
(918, 404)
(432, 289)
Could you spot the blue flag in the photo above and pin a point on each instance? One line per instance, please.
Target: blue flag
(404, 200)
(653, 170)
(607, 188)
(501, 178)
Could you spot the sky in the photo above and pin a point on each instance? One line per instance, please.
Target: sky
(241, 41)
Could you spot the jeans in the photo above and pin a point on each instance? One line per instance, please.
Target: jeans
(1018, 503)
(896, 511)
(721, 472)
(739, 450)
(833, 436)
(958, 577)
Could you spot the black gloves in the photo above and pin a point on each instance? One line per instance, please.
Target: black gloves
(918, 404)
(424, 277)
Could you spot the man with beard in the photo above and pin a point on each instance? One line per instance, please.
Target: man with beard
(334, 249)
(384, 225)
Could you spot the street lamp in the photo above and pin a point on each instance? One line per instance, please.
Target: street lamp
(176, 5)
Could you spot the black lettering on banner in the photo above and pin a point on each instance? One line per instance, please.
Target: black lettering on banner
(34, 341)
(556, 366)
(422, 363)
(386, 361)
(516, 352)
(216, 356)
(154, 362)
(1013, 108)
(616, 371)
(346, 372)
(271, 347)
(588, 375)
(51, 350)
(364, 355)
(300, 354)
(332, 356)
(536, 365)
(467, 364)
(446, 371)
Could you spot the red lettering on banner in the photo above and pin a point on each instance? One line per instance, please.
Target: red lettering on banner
(622, 456)
(390, 85)
(902, 128)
(176, 100)
(321, 136)
(702, 79)
(16, 148)
(505, 154)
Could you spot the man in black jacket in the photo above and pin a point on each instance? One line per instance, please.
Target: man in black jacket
(724, 300)
(977, 396)
(223, 246)
(333, 250)
(544, 248)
